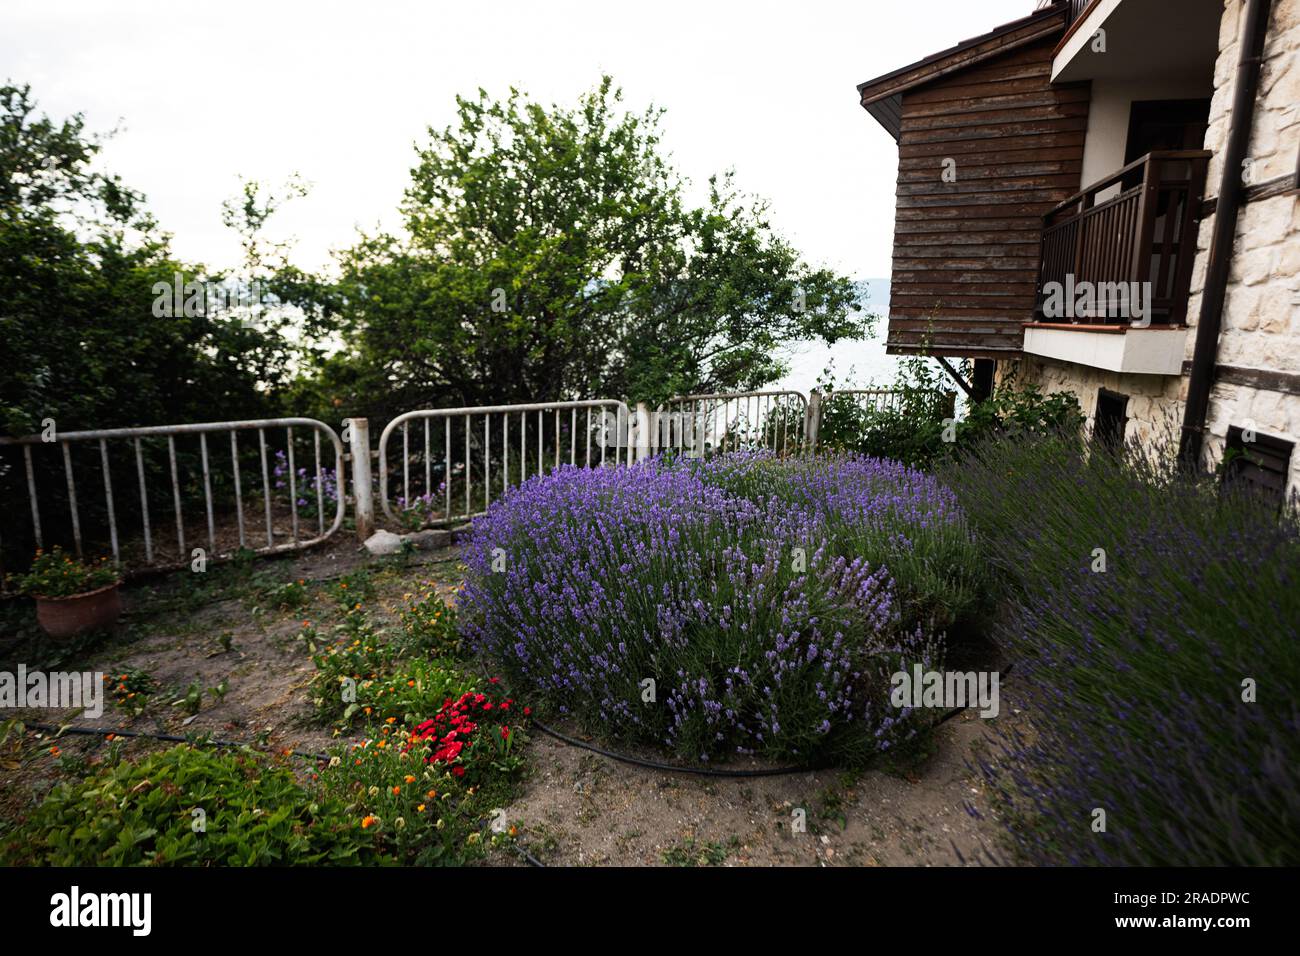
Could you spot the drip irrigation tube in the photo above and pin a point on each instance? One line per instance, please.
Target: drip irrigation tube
(708, 771)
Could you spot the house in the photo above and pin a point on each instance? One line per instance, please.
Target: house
(1101, 198)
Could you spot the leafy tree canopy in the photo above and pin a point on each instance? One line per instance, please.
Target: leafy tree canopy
(550, 253)
(79, 261)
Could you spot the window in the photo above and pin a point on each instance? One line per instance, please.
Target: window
(1110, 419)
(1261, 464)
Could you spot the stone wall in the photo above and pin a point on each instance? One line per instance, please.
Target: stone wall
(1261, 315)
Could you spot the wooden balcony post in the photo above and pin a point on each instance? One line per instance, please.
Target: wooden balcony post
(1187, 240)
(1140, 264)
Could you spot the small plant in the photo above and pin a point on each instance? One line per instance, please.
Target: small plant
(55, 574)
(131, 690)
(429, 627)
(289, 595)
(190, 806)
(191, 700)
(690, 853)
(430, 793)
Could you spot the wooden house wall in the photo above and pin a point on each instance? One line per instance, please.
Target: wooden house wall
(966, 252)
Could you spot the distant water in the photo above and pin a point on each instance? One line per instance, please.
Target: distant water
(859, 364)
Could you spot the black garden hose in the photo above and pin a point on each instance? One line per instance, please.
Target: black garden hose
(706, 771)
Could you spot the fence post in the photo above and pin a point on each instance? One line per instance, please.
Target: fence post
(643, 437)
(358, 431)
(812, 424)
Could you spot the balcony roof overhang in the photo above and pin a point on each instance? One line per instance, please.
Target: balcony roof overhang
(1143, 38)
(882, 97)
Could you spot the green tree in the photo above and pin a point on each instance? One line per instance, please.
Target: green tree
(551, 253)
(79, 259)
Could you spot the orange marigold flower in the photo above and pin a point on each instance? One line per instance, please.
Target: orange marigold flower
(368, 822)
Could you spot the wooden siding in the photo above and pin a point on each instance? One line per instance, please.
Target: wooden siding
(966, 253)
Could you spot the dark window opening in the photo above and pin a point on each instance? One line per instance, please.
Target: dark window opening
(1110, 420)
(1166, 124)
(1261, 464)
(1163, 124)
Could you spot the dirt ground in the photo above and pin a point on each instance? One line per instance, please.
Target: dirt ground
(577, 808)
(581, 808)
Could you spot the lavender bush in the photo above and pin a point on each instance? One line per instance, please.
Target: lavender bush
(1132, 676)
(752, 591)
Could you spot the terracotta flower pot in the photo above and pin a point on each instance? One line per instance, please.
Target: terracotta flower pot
(64, 617)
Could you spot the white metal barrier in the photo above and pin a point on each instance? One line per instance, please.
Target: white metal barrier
(292, 509)
(494, 446)
(700, 424)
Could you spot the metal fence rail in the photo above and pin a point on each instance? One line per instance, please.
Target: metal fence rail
(878, 399)
(699, 424)
(460, 455)
(280, 493)
(188, 468)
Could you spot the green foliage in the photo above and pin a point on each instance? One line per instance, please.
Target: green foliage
(132, 814)
(362, 677)
(131, 690)
(78, 244)
(691, 853)
(909, 428)
(918, 426)
(54, 574)
(416, 809)
(549, 251)
(1140, 601)
(429, 627)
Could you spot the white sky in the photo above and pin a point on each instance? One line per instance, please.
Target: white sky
(339, 92)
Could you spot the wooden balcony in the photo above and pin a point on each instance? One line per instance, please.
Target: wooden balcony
(1137, 225)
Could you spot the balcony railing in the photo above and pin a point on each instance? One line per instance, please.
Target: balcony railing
(1136, 226)
(1075, 8)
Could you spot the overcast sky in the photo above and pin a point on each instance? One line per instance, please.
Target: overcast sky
(339, 92)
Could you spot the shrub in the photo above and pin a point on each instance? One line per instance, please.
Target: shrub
(131, 690)
(54, 574)
(131, 814)
(1131, 672)
(429, 627)
(361, 677)
(736, 585)
(918, 428)
(427, 791)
